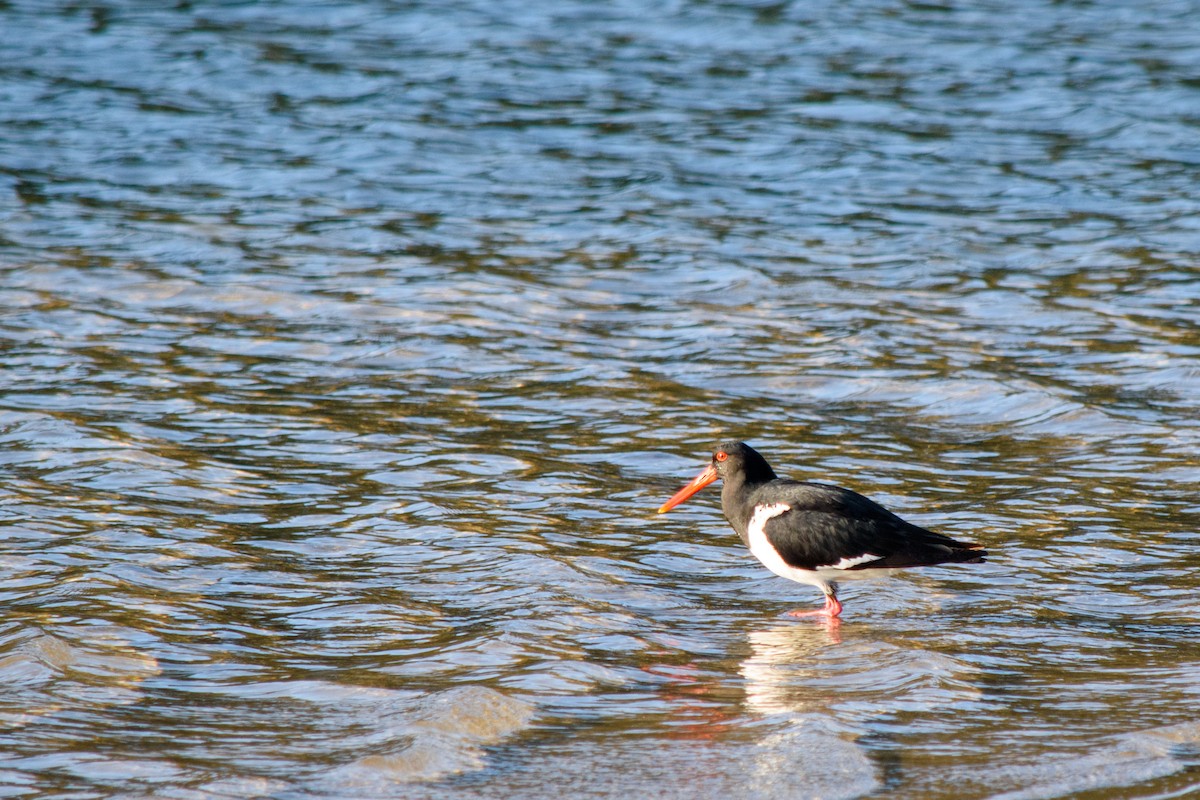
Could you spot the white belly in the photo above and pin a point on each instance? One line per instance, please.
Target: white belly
(821, 576)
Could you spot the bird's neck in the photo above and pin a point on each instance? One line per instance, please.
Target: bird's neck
(736, 502)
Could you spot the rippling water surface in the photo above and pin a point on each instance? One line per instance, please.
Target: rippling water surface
(348, 349)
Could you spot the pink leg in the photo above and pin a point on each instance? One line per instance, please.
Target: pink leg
(832, 608)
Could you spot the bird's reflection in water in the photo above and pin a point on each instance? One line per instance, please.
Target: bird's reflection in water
(809, 668)
(783, 672)
(791, 674)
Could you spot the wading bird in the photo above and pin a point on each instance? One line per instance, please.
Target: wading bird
(815, 533)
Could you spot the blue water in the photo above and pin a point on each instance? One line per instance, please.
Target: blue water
(348, 350)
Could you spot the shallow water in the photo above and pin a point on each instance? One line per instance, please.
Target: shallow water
(349, 348)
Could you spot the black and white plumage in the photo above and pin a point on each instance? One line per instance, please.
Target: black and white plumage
(815, 533)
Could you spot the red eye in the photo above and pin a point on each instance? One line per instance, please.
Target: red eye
(720, 455)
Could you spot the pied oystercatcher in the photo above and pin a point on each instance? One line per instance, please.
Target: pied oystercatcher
(815, 533)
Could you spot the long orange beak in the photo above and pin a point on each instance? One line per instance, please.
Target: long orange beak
(699, 482)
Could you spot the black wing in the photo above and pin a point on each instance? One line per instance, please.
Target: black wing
(829, 525)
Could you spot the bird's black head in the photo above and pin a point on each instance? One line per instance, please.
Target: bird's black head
(736, 462)
(739, 458)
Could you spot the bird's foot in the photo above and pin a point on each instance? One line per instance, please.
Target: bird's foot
(830, 610)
